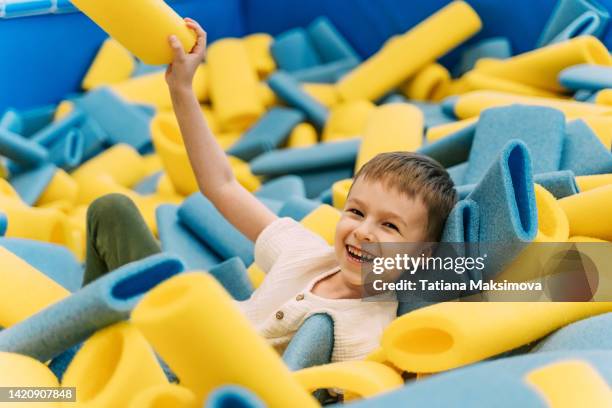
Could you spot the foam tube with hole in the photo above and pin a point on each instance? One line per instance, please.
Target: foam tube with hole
(233, 396)
(22, 371)
(191, 315)
(113, 366)
(404, 56)
(365, 378)
(101, 303)
(473, 103)
(25, 290)
(113, 63)
(347, 120)
(234, 86)
(68, 153)
(589, 213)
(570, 384)
(462, 224)
(147, 36)
(429, 84)
(541, 67)
(389, 128)
(165, 396)
(290, 91)
(452, 334)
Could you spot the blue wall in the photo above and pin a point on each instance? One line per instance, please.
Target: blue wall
(44, 58)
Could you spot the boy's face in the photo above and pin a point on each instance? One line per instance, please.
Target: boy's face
(376, 214)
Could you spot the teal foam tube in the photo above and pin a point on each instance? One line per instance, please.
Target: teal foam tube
(495, 47)
(293, 50)
(312, 344)
(55, 261)
(95, 139)
(30, 184)
(11, 121)
(592, 333)
(290, 91)
(572, 18)
(267, 134)
(326, 73)
(56, 131)
(319, 156)
(298, 207)
(103, 302)
(32, 120)
(453, 149)
(329, 43)
(233, 276)
(201, 217)
(457, 172)
(462, 224)
(498, 383)
(3, 224)
(21, 150)
(233, 396)
(318, 181)
(583, 152)
(178, 241)
(68, 152)
(542, 130)
(282, 188)
(587, 77)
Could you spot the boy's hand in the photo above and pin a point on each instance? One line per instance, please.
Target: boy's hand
(180, 72)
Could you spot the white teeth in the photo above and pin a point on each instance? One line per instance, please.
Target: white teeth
(357, 253)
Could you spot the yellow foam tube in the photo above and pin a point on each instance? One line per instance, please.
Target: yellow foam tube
(571, 383)
(365, 378)
(24, 290)
(323, 221)
(113, 63)
(121, 162)
(458, 87)
(197, 329)
(473, 103)
(113, 366)
(267, 95)
(243, 174)
(602, 126)
(347, 120)
(540, 68)
(586, 183)
(20, 371)
(77, 219)
(258, 49)
(234, 86)
(152, 89)
(325, 94)
(604, 97)
(165, 396)
(340, 191)
(429, 84)
(406, 54)
(476, 80)
(589, 213)
(227, 140)
(303, 135)
(579, 238)
(256, 275)
(378, 356)
(62, 110)
(146, 35)
(151, 164)
(391, 127)
(441, 131)
(553, 225)
(452, 334)
(165, 186)
(61, 188)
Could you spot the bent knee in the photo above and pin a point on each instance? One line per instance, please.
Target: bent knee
(110, 206)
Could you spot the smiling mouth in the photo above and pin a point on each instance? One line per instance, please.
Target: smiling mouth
(358, 255)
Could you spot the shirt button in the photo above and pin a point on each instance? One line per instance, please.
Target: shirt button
(299, 297)
(280, 315)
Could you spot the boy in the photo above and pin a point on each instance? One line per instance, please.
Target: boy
(396, 197)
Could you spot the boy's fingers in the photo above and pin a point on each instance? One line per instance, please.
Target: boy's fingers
(177, 48)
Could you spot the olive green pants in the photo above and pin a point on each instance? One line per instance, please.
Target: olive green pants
(116, 235)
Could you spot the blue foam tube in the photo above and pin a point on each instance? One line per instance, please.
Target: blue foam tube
(282, 188)
(55, 261)
(592, 333)
(59, 364)
(583, 152)
(298, 207)
(272, 204)
(32, 183)
(11, 121)
(586, 77)
(448, 105)
(542, 130)
(559, 183)
(178, 241)
(462, 224)
(293, 50)
(453, 149)
(584, 95)
(267, 134)
(326, 73)
(201, 217)
(3, 224)
(56, 131)
(432, 112)
(148, 185)
(495, 47)
(457, 172)
(326, 197)
(329, 43)
(121, 121)
(318, 181)
(95, 139)
(319, 156)
(68, 152)
(507, 209)
(101, 303)
(312, 344)
(572, 18)
(233, 276)
(290, 91)
(32, 120)
(21, 150)
(497, 383)
(233, 396)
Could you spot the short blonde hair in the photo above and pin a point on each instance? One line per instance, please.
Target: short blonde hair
(415, 175)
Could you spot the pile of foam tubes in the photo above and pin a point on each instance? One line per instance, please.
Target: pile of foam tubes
(525, 137)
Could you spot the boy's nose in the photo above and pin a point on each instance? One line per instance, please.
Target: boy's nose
(364, 234)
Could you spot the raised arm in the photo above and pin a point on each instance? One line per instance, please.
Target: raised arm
(212, 170)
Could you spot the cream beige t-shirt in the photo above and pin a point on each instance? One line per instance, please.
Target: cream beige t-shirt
(294, 259)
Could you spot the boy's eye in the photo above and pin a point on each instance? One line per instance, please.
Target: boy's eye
(355, 211)
(391, 225)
